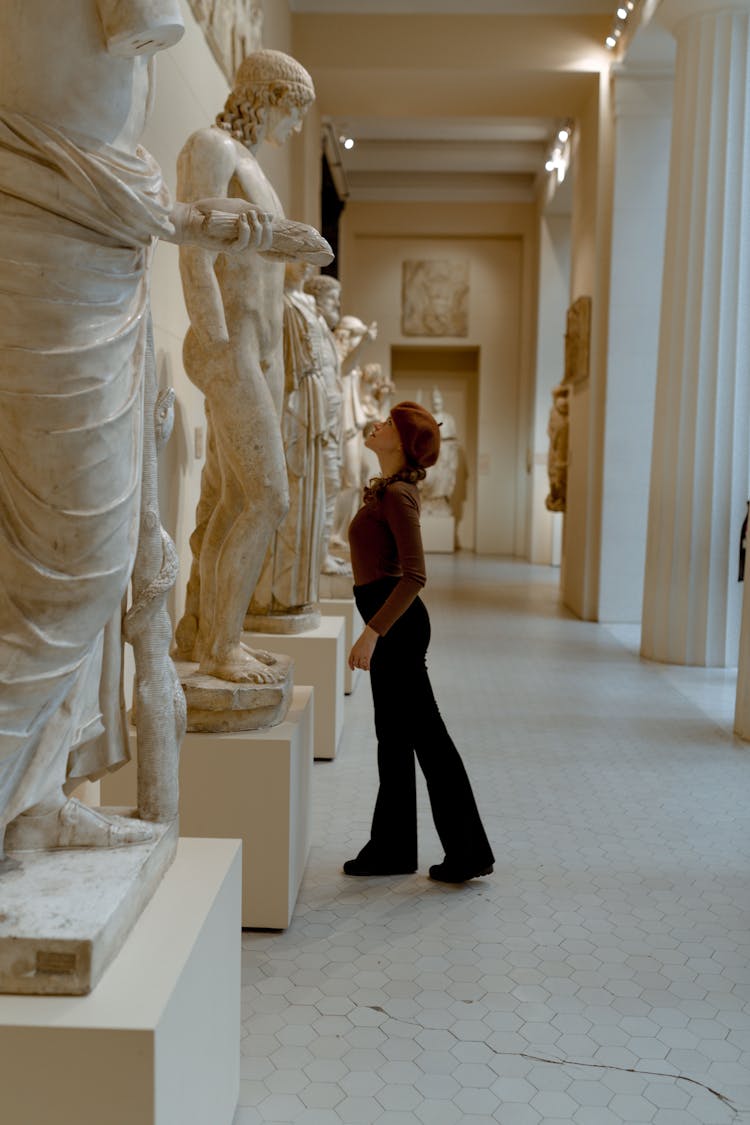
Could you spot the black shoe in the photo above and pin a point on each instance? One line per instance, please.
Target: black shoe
(374, 867)
(446, 872)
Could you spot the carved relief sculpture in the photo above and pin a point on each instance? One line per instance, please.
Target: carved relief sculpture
(435, 298)
(286, 596)
(81, 205)
(326, 292)
(578, 341)
(233, 352)
(439, 485)
(232, 29)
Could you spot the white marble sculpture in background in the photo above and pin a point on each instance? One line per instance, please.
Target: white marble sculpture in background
(233, 352)
(557, 456)
(440, 482)
(326, 292)
(285, 599)
(376, 390)
(351, 335)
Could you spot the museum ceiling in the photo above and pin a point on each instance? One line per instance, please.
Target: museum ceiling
(449, 100)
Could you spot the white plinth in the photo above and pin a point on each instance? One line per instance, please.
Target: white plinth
(335, 586)
(438, 534)
(346, 608)
(318, 661)
(157, 1042)
(253, 785)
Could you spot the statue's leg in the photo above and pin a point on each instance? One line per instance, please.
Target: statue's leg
(186, 633)
(254, 499)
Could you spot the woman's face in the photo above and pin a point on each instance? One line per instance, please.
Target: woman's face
(383, 437)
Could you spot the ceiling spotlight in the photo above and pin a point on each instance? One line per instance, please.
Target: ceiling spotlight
(611, 41)
(348, 142)
(630, 5)
(550, 165)
(622, 13)
(563, 135)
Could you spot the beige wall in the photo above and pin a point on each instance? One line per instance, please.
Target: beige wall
(499, 241)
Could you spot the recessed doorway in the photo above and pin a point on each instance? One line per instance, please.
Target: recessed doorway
(454, 371)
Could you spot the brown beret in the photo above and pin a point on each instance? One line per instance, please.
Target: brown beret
(419, 433)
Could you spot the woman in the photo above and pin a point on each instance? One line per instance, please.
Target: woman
(389, 571)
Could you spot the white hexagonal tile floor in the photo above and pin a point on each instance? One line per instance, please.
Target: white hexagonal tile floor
(601, 975)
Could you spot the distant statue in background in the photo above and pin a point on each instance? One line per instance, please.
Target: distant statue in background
(233, 352)
(557, 458)
(286, 595)
(326, 292)
(440, 482)
(352, 335)
(376, 389)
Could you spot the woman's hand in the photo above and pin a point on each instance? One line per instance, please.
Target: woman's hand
(362, 649)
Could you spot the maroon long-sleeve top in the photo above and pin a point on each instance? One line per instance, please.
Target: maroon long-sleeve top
(386, 542)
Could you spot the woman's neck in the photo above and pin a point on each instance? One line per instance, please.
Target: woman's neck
(391, 463)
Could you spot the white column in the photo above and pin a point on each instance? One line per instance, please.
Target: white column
(699, 470)
(643, 116)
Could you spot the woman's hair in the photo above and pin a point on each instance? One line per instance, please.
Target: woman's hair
(377, 485)
(264, 79)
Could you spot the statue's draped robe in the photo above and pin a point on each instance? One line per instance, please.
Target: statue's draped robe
(77, 223)
(291, 571)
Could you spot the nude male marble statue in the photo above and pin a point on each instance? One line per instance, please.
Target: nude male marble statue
(233, 352)
(351, 335)
(81, 205)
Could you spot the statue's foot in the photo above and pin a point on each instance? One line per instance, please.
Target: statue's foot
(240, 666)
(185, 639)
(261, 654)
(74, 825)
(332, 565)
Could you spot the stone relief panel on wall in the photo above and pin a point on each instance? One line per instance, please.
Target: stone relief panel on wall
(232, 28)
(435, 297)
(578, 341)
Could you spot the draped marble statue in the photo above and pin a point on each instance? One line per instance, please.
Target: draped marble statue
(439, 485)
(81, 205)
(286, 595)
(351, 335)
(326, 291)
(233, 352)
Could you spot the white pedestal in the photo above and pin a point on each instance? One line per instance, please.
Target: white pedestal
(157, 1042)
(346, 608)
(438, 534)
(254, 785)
(318, 661)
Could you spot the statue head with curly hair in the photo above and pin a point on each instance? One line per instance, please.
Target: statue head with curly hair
(269, 88)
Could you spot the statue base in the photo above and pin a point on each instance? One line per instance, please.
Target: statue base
(66, 913)
(283, 623)
(215, 706)
(335, 585)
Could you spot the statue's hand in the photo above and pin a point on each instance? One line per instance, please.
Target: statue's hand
(219, 225)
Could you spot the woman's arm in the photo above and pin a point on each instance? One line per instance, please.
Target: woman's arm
(400, 507)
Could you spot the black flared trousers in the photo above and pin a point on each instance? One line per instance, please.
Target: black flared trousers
(408, 722)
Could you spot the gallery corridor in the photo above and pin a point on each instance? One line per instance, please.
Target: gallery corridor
(601, 975)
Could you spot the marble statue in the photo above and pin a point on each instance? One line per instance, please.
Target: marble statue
(376, 390)
(81, 206)
(439, 485)
(232, 28)
(557, 457)
(233, 352)
(326, 292)
(351, 335)
(285, 599)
